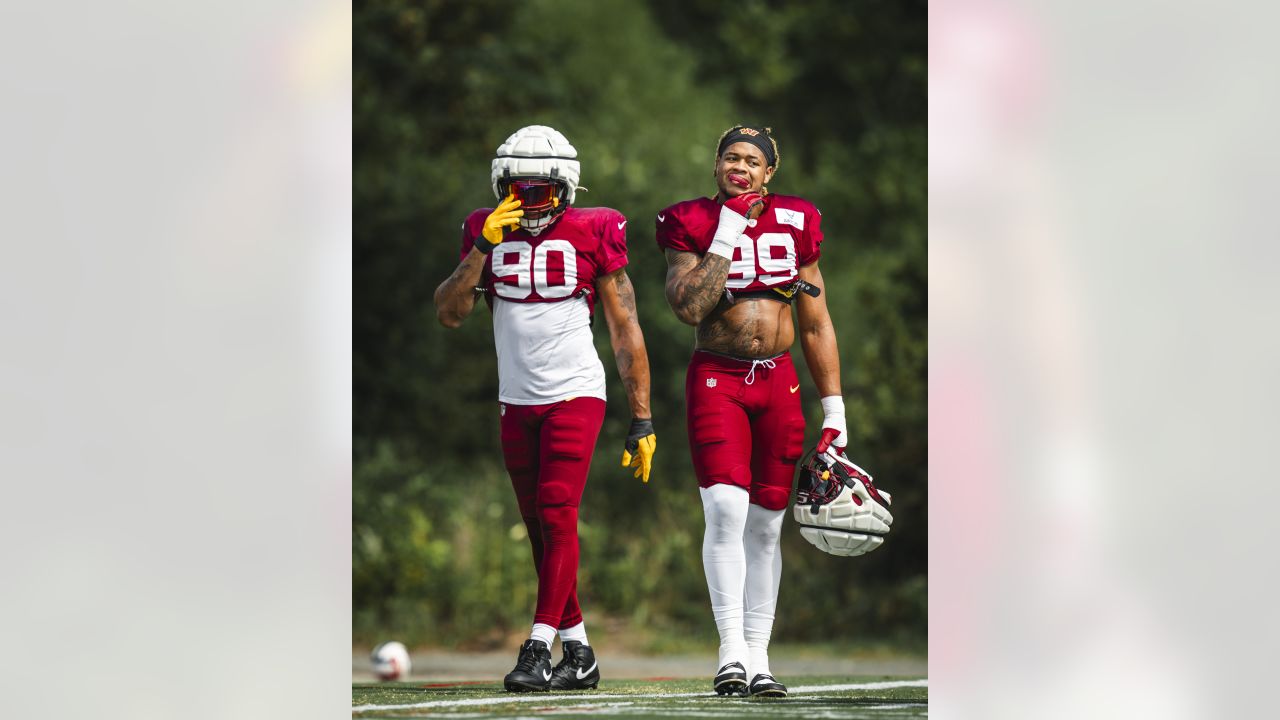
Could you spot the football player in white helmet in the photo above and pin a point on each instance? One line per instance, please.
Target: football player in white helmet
(544, 266)
(540, 167)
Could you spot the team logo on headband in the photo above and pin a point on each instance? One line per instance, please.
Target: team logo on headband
(749, 131)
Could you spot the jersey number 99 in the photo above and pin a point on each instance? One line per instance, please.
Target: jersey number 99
(743, 272)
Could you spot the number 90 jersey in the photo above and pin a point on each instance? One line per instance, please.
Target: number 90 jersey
(559, 263)
(542, 290)
(785, 237)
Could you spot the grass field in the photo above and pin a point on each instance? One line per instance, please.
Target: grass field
(811, 697)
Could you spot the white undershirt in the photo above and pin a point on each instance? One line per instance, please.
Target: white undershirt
(546, 352)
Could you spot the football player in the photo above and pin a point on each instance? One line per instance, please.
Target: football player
(544, 267)
(736, 264)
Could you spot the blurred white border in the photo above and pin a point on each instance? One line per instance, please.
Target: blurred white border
(1102, 357)
(175, 376)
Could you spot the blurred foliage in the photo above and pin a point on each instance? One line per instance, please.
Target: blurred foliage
(643, 90)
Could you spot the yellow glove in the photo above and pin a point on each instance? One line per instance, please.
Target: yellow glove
(640, 446)
(506, 215)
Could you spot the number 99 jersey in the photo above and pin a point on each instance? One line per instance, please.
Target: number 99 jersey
(785, 237)
(542, 290)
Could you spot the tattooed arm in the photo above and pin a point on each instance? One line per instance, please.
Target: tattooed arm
(456, 296)
(618, 299)
(694, 284)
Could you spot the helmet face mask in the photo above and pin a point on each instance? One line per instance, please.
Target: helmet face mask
(540, 166)
(820, 483)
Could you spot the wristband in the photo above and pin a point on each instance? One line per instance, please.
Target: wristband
(725, 240)
(640, 427)
(833, 405)
(483, 245)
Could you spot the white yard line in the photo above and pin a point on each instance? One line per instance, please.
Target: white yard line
(861, 686)
(539, 697)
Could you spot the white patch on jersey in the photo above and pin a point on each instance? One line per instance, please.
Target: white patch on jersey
(711, 382)
(794, 218)
(546, 352)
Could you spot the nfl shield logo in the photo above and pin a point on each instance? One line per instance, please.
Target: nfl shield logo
(711, 382)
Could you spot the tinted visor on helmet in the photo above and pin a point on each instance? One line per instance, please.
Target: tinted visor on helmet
(538, 197)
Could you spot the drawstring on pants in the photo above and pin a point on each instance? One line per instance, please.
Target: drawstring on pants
(751, 374)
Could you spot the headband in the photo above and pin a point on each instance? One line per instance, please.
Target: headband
(756, 136)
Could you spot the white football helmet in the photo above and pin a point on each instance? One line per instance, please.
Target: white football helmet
(838, 507)
(541, 167)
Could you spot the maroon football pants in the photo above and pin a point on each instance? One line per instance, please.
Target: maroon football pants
(746, 427)
(547, 449)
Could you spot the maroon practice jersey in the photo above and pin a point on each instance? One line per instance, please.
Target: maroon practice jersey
(561, 262)
(785, 237)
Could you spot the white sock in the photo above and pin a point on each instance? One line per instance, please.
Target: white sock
(576, 633)
(545, 633)
(764, 570)
(724, 561)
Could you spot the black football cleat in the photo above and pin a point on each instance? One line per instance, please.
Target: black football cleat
(731, 680)
(578, 669)
(533, 669)
(763, 685)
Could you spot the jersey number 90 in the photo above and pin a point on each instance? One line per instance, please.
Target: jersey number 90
(516, 262)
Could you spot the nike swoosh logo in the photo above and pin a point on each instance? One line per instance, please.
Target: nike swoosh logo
(662, 218)
(795, 388)
(546, 675)
(582, 674)
(624, 222)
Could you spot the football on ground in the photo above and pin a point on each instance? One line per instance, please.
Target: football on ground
(390, 661)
